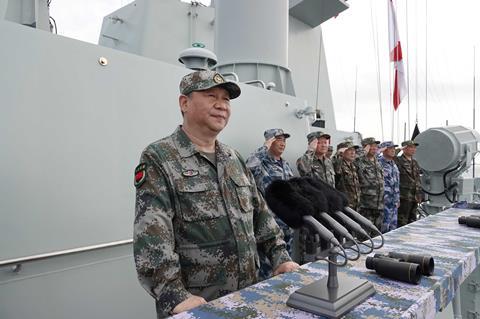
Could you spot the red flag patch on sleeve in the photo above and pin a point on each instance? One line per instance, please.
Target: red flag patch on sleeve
(140, 174)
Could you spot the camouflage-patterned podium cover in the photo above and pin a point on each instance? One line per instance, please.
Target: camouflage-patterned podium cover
(454, 247)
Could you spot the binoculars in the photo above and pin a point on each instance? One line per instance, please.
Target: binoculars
(470, 221)
(403, 267)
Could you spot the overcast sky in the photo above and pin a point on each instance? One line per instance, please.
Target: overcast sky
(448, 33)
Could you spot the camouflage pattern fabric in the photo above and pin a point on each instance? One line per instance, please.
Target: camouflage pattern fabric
(370, 176)
(310, 165)
(266, 169)
(410, 186)
(206, 79)
(455, 249)
(391, 178)
(410, 189)
(198, 227)
(346, 181)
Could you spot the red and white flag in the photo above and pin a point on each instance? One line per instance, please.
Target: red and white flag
(400, 88)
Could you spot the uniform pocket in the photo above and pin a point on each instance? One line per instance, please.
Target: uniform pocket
(198, 199)
(243, 188)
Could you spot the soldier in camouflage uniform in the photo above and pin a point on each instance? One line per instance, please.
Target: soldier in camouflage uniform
(370, 176)
(314, 162)
(410, 187)
(199, 218)
(391, 178)
(267, 165)
(329, 152)
(346, 178)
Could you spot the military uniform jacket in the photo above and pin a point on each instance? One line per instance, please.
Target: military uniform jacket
(310, 165)
(346, 181)
(266, 169)
(410, 185)
(370, 176)
(391, 179)
(197, 227)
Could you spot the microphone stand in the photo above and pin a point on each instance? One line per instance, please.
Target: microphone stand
(332, 296)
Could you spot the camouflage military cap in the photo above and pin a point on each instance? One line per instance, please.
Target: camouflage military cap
(347, 145)
(275, 132)
(369, 140)
(388, 144)
(317, 134)
(206, 79)
(409, 143)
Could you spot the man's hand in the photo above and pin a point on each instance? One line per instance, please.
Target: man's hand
(419, 198)
(312, 146)
(366, 148)
(187, 304)
(380, 150)
(268, 143)
(286, 267)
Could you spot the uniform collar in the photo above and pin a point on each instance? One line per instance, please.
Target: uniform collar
(186, 148)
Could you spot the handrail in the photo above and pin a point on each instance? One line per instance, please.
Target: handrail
(233, 74)
(21, 260)
(256, 82)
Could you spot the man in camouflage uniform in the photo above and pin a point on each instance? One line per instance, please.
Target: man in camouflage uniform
(370, 176)
(391, 178)
(346, 178)
(410, 187)
(199, 218)
(314, 163)
(329, 152)
(267, 165)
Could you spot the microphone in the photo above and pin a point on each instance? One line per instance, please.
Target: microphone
(336, 201)
(294, 209)
(320, 205)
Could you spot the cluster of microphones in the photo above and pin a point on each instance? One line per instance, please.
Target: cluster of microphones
(311, 204)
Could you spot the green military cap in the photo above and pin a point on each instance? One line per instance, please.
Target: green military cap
(369, 140)
(347, 145)
(317, 134)
(275, 132)
(409, 143)
(206, 79)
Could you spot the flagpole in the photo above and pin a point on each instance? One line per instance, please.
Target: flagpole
(426, 64)
(408, 69)
(355, 101)
(473, 104)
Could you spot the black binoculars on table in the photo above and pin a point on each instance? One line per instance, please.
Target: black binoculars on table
(403, 267)
(470, 221)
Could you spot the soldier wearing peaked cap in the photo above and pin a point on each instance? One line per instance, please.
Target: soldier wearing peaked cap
(199, 219)
(391, 179)
(314, 163)
(267, 165)
(346, 178)
(330, 152)
(370, 176)
(410, 188)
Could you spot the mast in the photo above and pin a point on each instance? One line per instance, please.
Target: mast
(473, 171)
(355, 101)
(426, 63)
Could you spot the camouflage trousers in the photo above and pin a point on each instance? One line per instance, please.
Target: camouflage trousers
(390, 213)
(407, 212)
(374, 215)
(266, 270)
